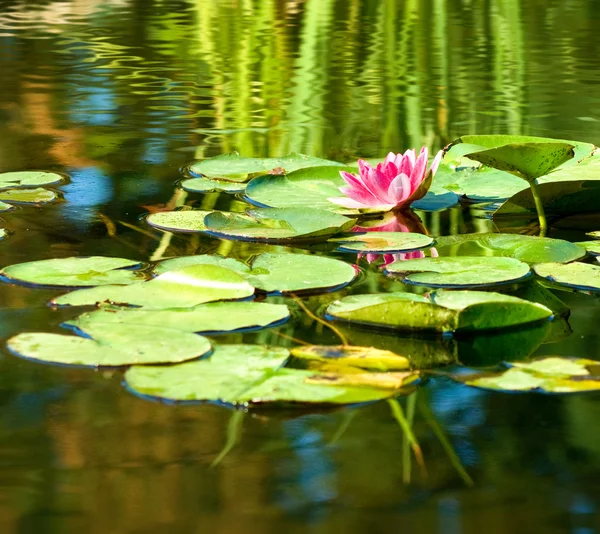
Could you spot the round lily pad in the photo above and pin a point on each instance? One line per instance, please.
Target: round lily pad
(73, 272)
(238, 168)
(28, 196)
(207, 185)
(252, 374)
(460, 271)
(213, 317)
(360, 357)
(305, 188)
(443, 311)
(529, 249)
(576, 275)
(201, 259)
(292, 273)
(179, 221)
(181, 288)
(593, 247)
(6, 207)
(29, 179)
(276, 224)
(380, 242)
(111, 345)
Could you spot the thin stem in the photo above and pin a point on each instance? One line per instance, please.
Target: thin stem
(447, 446)
(234, 430)
(539, 206)
(337, 332)
(348, 417)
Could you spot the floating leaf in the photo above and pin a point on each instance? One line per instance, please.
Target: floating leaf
(182, 288)
(481, 184)
(73, 272)
(593, 247)
(247, 374)
(6, 207)
(276, 224)
(576, 275)
(111, 345)
(237, 168)
(292, 273)
(550, 375)
(595, 234)
(380, 242)
(206, 185)
(29, 179)
(362, 357)
(462, 271)
(525, 160)
(529, 249)
(443, 311)
(28, 196)
(179, 221)
(299, 189)
(214, 317)
(436, 199)
(201, 259)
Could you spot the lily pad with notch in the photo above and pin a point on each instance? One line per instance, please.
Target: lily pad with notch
(276, 224)
(296, 273)
(112, 345)
(212, 317)
(180, 288)
(442, 311)
(460, 272)
(86, 271)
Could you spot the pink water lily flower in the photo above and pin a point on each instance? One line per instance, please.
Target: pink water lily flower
(392, 185)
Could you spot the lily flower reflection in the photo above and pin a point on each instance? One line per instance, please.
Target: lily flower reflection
(404, 222)
(393, 185)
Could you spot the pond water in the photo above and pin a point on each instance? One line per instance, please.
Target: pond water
(119, 95)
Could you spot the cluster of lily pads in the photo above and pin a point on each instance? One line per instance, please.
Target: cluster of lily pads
(25, 188)
(161, 320)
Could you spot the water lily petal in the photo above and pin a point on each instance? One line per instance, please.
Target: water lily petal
(400, 189)
(347, 202)
(418, 173)
(436, 162)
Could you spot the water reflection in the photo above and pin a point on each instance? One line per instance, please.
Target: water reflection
(120, 94)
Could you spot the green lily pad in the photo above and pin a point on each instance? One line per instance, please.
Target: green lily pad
(582, 149)
(436, 199)
(73, 272)
(29, 179)
(576, 275)
(443, 311)
(240, 169)
(593, 247)
(207, 185)
(201, 259)
(276, 224)
(245, 374)
(294, 273)
(380, 242)
(214, 317)
(525, 160)
(550, 375)
(179, 221)
(28, 196)
(111, 345)
(360, 357)
(6, 207)
(181, 288)
(481, 184)
(529, 249)
(595, 234)
(303, 188)
(460, 272)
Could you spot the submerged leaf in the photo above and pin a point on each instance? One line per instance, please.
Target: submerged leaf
(111, 345)
(73, 272)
